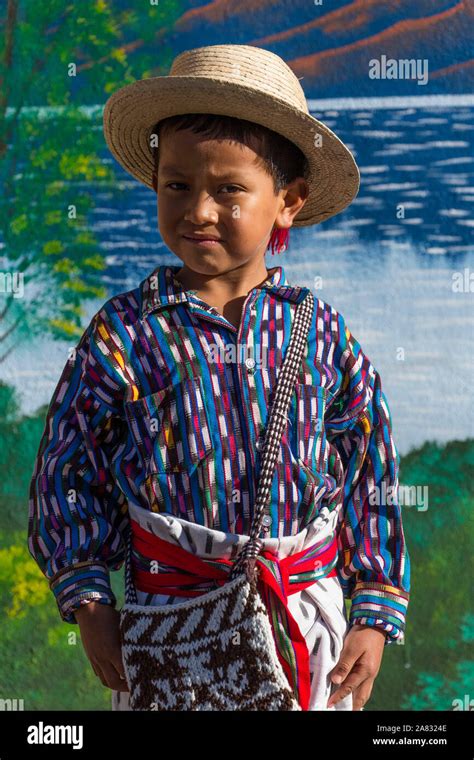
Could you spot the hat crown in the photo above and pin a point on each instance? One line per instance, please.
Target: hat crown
(249, 66)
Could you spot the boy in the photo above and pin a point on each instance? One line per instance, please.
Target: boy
(158, 419)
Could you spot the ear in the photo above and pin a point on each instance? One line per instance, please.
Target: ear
(294, 197)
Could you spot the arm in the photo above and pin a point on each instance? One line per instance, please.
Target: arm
(77, 514)
(374, 568)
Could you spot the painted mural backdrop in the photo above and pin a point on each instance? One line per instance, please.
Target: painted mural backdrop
(394, 80)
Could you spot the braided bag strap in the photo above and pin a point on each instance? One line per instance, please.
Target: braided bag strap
(246, 558)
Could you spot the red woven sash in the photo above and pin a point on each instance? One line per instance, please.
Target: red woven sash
(278, 578)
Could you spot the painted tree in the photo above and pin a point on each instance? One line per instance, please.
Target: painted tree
(58, 63)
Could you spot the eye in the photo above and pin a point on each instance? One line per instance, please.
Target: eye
(234, 188)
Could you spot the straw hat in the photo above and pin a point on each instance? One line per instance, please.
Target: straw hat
(245, 82)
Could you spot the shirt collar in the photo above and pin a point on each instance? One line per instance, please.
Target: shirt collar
(161, 288)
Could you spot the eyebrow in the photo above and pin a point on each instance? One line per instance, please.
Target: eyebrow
(176, 170)
(172, 170)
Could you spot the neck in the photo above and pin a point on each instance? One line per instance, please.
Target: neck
(228, 285)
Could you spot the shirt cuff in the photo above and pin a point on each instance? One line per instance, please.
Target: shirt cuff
(380, 606)
(79, 584)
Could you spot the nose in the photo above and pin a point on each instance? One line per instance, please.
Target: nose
(201, 208)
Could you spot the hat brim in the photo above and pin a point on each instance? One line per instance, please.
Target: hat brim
(131, 112)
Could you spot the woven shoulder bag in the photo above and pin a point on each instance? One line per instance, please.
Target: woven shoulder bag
(175, 656)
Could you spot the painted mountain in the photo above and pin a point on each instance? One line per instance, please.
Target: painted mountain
(329, 43)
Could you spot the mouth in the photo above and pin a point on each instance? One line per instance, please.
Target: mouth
(203, 241)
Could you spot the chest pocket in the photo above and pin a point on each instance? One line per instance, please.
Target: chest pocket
(308, 438)
(171, 427)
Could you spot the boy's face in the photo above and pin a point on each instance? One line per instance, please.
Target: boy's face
(213, 187)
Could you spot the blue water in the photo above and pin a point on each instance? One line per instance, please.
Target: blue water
(392, 278)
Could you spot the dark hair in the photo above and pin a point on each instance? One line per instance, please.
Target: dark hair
(279, 157)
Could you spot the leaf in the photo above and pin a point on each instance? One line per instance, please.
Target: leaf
(53, 248)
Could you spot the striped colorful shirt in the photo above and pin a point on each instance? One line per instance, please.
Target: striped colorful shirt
(164, 403)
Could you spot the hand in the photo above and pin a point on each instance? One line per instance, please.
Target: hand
(358, 665)
(100, 634)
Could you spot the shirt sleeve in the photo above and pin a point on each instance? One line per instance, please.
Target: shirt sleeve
(77, 513)
(374, 565)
